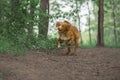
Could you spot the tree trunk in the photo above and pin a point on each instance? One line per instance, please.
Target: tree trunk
(44, 20)
(114, 21)
(1, 15)
(100, 37)
(31, 23)
(89, 23)
(81, 41)
(15, 6)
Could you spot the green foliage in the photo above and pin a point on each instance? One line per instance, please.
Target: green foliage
(10, 47)
(42, 44)
(86, 42)
(86, 45)
(46, 44)
(111, 44)
(19, 17)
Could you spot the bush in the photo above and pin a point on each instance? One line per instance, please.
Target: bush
(9, 47)
(44, 44)
(18, 45)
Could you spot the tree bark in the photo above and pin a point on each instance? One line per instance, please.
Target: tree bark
(81, 41)
(89, 23)
(44, 20)
(31, 23)
(100, 37)
(114, 21)
(15, 6)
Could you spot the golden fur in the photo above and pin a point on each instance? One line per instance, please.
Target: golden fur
(69, 34)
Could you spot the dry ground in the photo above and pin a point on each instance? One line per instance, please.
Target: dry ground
(90, 64)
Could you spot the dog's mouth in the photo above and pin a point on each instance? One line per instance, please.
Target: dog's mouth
(59, 30)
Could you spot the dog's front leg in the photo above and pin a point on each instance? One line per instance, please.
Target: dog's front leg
(59, 41)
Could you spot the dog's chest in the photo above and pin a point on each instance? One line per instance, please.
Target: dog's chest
(63, 37)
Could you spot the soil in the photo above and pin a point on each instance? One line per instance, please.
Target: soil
(90, 64)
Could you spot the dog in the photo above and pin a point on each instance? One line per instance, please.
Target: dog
(68, 33)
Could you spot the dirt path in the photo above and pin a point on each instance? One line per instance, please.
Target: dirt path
(90, 64)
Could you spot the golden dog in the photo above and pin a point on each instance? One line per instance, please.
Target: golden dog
(68, 33)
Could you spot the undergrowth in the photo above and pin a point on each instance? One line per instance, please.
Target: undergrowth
(42, 44)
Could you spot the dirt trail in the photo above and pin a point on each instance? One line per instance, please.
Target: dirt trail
(90, 64)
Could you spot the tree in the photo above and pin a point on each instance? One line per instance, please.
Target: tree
(78, 16)
(43, 17)
(114, 20)
(100, 37)
(89, 24)
(31, 23)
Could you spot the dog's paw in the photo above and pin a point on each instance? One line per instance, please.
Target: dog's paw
(58, 46)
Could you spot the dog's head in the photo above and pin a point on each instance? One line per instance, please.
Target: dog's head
(63, 26)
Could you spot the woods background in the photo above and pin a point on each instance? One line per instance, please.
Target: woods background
(30, 24)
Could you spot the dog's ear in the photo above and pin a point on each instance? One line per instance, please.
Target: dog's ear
(68, 27)
(67, 22)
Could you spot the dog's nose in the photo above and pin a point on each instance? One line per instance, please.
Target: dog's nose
(59, 27)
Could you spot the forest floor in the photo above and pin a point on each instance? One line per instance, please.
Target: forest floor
(89, 64)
